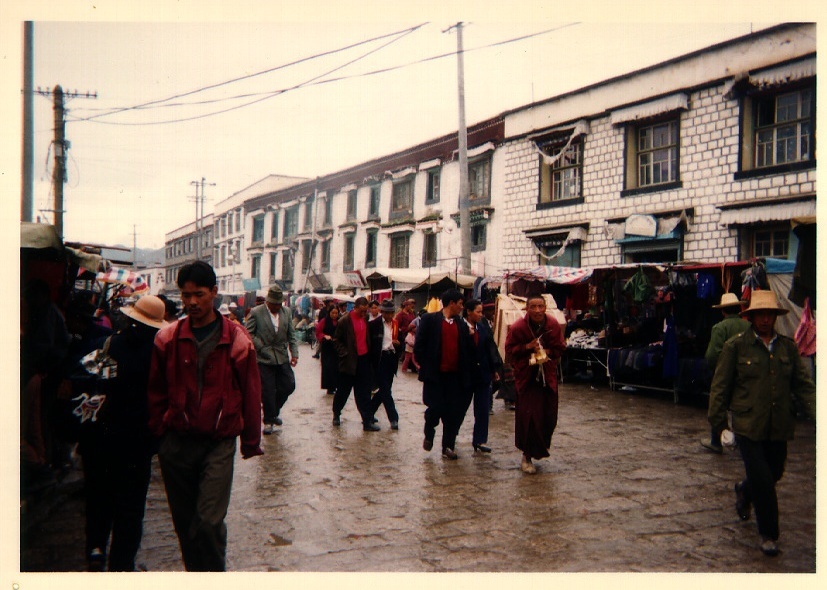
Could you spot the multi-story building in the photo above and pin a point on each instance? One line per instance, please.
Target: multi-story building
(229, 230)
(396, 212)
(705, 157)
(181, 247)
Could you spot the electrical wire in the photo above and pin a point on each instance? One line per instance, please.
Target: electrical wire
(312, 82)
(261, 73)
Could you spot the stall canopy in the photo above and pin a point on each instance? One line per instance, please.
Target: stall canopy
(409, 279)
(42, 236)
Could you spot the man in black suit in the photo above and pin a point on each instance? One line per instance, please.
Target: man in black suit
(353, 346)
(445, 352)
(385, 349)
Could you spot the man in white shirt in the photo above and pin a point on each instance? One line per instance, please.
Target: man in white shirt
(385, 350)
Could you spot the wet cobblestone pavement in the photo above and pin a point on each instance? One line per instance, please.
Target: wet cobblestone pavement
(627, 488)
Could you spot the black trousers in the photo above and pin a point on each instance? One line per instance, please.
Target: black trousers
(116, 480)
(385, 372)
(361, 384)
(277, 383)
(448, 401)
(764, 465)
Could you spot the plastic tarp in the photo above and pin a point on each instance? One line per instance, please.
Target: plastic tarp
(39, 235)
(407, 279)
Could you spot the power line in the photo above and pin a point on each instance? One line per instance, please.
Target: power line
(268, 71)
(312, 82)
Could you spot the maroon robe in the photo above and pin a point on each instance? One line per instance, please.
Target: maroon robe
(536, 411)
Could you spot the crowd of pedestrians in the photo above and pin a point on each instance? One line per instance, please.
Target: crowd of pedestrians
(192, 388)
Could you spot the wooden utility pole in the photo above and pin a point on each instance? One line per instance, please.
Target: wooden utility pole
(59, 172)
(27, 197)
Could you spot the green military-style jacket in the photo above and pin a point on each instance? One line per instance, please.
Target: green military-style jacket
(758, 388)
(730, 326)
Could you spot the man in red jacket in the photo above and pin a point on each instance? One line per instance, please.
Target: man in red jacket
(204, 391)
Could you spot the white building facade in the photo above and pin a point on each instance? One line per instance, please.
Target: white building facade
(706, 157)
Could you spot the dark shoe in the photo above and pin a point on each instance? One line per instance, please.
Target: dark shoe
(742, 504)
(317, 355)
(510, 406)
(337, 421)
(374, 420)
(394, 425)
(712, 446)
(268, 429)
(427, 444)
(769, 547)
(277, 421)
(482, 448)
(97, 561)
(450, 454)
(331, 391)
(371, 427)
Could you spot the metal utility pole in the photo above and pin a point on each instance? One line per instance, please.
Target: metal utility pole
(199, 213)
(27, 196)
(462, 140)
(134, 248)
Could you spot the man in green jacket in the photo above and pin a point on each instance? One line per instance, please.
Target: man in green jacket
(757, 375)
(730, 326)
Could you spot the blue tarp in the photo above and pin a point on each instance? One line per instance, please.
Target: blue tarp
(778, 266)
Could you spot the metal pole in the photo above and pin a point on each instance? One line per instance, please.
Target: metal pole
(27, 196)
(464, 186)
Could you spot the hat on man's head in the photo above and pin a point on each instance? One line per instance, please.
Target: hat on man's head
(387, 305)
(275, 295)
(728, 300)
(764, 301)
(224, 309)
(148, 310)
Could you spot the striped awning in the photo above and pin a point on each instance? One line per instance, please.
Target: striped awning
(769, 212)
(667, 104)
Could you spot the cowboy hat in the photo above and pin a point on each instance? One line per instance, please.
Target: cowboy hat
(148, 310)
(728, 300)
(764, 301)
(275, 295)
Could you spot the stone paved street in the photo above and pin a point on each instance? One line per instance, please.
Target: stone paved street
(628, 488)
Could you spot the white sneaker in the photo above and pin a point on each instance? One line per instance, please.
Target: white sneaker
(526, 466)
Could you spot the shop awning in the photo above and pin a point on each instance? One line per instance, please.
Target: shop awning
(406, 279)
(563, 275)
(667, 104)
(784, 211)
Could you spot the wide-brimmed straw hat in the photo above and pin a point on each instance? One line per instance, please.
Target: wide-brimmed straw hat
(148, 310)
(729, 300)
(764, 301)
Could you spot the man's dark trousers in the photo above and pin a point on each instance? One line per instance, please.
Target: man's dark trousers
(198, 477)
(361, 384)
(385, 371)
(277, 383)
(764, 464)
(447, 400)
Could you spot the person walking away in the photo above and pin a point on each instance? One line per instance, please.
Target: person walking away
(117, 453)
(330, 358)
(353, 348)
(488, 367)
(533, 345)
(445, 353)
(385, 348)
(730, 326)
(758, 374)
(204, 392)
(277, 351)
(323, 312)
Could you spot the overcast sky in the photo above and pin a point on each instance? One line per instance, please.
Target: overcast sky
(135, 167)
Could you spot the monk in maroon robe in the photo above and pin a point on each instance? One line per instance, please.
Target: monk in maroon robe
(534, 336)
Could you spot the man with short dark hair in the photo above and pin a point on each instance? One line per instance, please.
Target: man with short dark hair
(353, 346)
(385, 349)
(204, 391)
(373, 310)
(277, 350)
(445, 353)
(758, 374)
